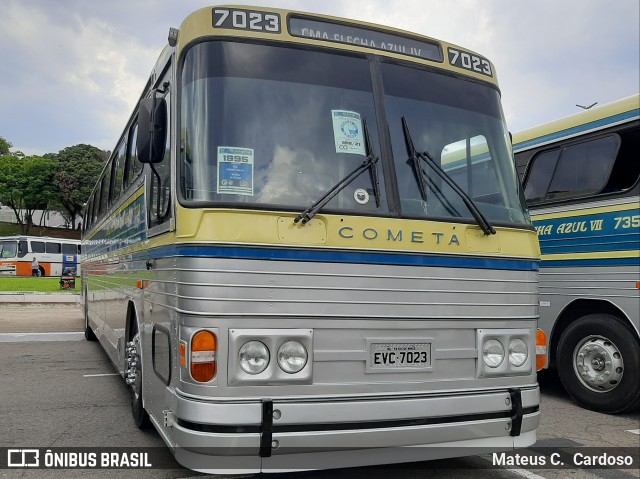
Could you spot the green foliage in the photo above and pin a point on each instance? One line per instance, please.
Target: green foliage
(78, 171)
(27, 184)
(62, 180)
(4, 147)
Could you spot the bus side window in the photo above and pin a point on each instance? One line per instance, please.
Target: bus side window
(104, 194)
(86, 223)
(117, 172)
(626, 169)
(540, 172)
(133, 167)
(573, 171)
(95, 214)
(53, 248)
(23, 249)
(69, 249)
(37, 246)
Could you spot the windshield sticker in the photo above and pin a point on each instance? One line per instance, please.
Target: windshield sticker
(347, 132)
(235, 171)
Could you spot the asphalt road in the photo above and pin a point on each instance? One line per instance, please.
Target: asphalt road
(65, 394)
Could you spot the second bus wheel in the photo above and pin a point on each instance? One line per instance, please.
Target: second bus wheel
(598, 362)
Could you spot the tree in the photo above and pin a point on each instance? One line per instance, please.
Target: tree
(78, 171)
(27, 184)
(4, 147)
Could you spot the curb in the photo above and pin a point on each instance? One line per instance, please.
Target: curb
(40, 298)
(31, 337)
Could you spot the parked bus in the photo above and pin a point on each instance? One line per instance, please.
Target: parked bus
(285, 271)
(53, 255)
(581, 180)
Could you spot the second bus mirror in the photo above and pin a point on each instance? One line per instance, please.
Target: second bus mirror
(152, 130)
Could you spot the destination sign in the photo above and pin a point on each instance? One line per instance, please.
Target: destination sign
(377, 40)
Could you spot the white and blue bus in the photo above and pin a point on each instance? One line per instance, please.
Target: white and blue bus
(582, 181)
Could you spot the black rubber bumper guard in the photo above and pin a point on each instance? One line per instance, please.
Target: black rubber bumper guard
(266, 428)
(516, 412)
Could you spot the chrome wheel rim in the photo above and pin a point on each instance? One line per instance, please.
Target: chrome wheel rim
(598, 364)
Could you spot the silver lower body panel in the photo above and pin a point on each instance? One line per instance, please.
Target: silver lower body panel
(307, 435)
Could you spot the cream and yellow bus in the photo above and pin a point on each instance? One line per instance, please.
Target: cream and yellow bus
(289, 266)
(581, 179)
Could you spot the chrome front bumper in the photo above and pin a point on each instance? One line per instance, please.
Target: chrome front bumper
(300, 434)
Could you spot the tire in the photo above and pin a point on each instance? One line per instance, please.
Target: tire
(41, 272)
(140, 415)
(598, 360)
(89, 335)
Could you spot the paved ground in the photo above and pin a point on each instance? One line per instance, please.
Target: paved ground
(40, 318)
(66, 393)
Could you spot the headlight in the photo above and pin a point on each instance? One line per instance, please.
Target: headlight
(493, 353)
(518, 352)
(254, 357)
(292, 357)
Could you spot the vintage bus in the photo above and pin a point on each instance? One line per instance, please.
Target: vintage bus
(53, 255)
(287, 273)
(581, 179)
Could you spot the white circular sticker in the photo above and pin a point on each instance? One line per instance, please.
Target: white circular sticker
(361, 196)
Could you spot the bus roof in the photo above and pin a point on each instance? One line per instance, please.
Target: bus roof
(38, 238)
(341, 34)
(603, 116)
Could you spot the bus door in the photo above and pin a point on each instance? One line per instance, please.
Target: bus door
(69, 256)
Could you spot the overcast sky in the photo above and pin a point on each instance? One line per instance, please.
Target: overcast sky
(72, 70)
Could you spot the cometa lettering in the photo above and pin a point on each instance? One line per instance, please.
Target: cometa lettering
(399, 236)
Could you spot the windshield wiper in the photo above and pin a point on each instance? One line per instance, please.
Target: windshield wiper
(368, 163)
(416, 156)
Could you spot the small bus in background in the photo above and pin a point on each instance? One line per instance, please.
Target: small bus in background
(581, 181)
(53, 255)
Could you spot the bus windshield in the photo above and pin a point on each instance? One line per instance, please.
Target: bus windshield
(273, 127)
(459, 124)
(8, 249)
(264, 125)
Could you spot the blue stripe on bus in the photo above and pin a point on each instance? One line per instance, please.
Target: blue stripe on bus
(590, 233)
(590, 245)
(590, 262)
(332, 256)
(577, 129)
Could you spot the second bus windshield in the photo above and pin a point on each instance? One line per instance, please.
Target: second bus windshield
(278, 127)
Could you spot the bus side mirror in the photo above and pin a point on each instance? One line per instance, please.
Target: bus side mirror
(152, 130)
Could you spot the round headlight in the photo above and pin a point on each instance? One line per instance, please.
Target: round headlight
(493, 353)
(518, 352)
(292, 357)
(254, 357)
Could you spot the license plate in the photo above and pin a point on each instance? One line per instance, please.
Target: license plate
(400, 355)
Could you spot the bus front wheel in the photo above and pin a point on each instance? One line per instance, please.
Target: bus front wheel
(598, 357)
(134, 379)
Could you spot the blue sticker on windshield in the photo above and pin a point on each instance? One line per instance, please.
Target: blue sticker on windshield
(347, 132)
(235, 171)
